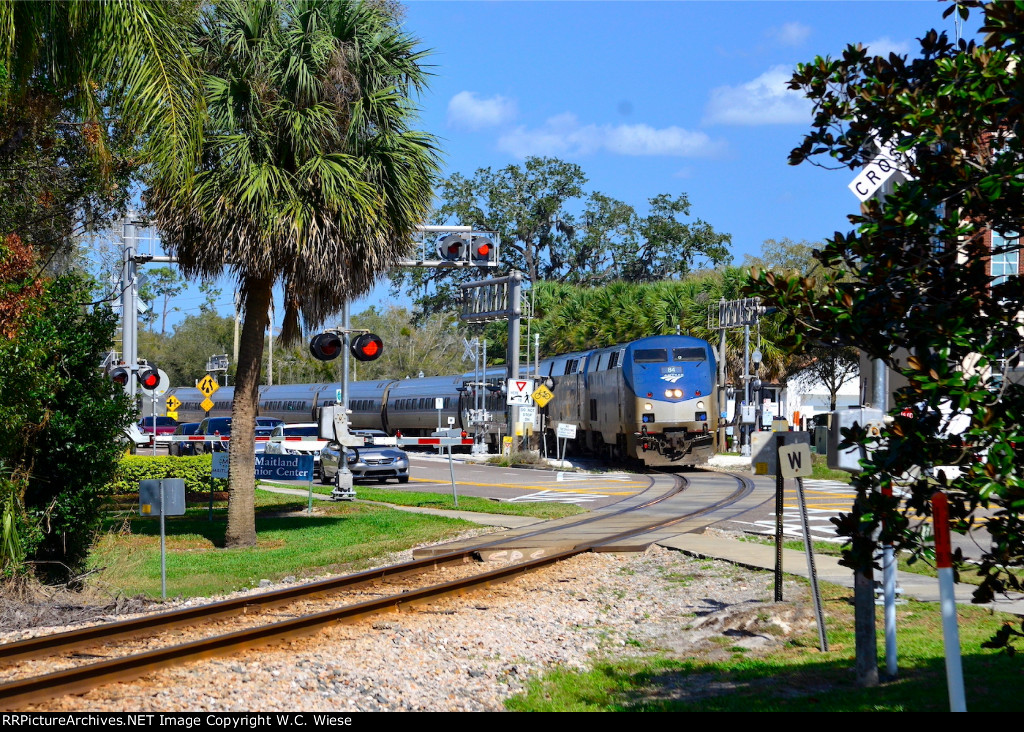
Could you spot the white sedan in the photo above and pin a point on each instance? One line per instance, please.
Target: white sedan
(296, 439)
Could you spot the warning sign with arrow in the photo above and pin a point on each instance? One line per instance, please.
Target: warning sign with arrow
(519, 391)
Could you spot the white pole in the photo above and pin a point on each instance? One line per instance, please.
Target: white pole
(947, 600)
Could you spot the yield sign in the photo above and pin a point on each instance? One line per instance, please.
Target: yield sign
(519, 391)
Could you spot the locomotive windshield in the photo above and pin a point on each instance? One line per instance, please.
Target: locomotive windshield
(688, 354)
(650, 355)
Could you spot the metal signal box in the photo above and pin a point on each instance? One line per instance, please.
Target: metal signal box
(173, 497)
(849, 459)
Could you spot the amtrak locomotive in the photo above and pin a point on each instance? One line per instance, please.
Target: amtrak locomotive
(653, 400)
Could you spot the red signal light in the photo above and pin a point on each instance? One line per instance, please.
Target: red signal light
(367, 347)
(120, 375)
(150, 379)
(483, 249)
(325, 346)
(452, 248)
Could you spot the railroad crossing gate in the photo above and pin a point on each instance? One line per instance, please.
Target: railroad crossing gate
(542, 396)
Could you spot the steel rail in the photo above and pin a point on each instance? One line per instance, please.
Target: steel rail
(41, 646)
(85, 677)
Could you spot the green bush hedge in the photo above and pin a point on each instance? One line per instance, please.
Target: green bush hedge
(195, 470)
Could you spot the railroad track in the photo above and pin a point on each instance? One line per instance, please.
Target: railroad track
(128, 665)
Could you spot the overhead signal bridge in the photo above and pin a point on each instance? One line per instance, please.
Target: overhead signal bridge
(453, 246)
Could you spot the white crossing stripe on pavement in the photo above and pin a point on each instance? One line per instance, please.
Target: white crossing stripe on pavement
(818, 519)
(556, 497)
(562, 477)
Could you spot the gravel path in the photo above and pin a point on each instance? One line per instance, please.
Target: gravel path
(471, 653)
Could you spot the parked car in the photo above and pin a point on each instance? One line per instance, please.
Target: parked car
(164, 426)
(260, 447)
(185, 448)
(268, 422)
(212, 426)
(299, 439)
(369, 462)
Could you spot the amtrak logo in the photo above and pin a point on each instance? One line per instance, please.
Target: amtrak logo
(672, 378)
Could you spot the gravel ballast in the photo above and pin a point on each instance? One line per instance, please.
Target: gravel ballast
(470, 653)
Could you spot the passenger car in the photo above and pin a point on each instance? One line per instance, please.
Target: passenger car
(365, 463)
(215, 426)
(261, 446)
(185, 448)
(299, 439)
(164, 425)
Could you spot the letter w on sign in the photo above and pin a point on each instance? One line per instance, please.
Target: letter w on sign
(795, 460)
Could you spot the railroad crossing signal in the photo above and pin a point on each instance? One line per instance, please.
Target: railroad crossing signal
(208, 385)
(120, 375)
(542, 396)
(172, 404)
(367, 347)
(153, 382)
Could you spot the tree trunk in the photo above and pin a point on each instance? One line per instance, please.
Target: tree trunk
(241, 528)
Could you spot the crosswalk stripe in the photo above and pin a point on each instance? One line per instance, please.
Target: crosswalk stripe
(554, 496)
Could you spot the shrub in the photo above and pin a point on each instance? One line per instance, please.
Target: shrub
(194, 470)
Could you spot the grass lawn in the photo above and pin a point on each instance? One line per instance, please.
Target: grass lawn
(338, 537)
(798, 677)
(404, 497)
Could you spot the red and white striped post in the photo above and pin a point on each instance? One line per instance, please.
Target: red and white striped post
(950, 631)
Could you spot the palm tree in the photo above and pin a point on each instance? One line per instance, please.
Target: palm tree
(310, 177)
(117, 67)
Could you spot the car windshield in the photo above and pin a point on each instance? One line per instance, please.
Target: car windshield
(160, 422)
(312, 431)
(221, 425)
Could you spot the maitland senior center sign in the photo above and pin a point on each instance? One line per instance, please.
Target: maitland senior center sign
(277, 467)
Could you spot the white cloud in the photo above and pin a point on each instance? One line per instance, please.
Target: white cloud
(790, 34)
(763, 101)
(468, 111)
(884, 46)
(564, 135)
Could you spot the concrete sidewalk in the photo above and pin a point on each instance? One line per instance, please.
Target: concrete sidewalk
(762, 556)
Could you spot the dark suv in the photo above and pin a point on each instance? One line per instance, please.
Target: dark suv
(185, 448)
(215, 426)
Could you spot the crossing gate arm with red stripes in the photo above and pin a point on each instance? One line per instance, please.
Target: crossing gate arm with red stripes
(376, 441)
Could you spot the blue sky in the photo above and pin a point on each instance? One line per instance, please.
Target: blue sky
(652, 97)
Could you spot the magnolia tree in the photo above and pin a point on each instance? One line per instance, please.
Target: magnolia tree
(918, 290)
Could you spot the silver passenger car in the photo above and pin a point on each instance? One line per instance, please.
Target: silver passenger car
(366, 463)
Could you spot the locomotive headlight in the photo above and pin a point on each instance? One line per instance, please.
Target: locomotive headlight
(668, 393)
(700, 405)
(648, 406)
(677, 393)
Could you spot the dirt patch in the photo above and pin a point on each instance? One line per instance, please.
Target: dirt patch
(26, 603)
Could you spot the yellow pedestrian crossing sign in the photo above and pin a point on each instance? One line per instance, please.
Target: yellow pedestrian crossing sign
(542, 395)
(173, 403)
(207, 385)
